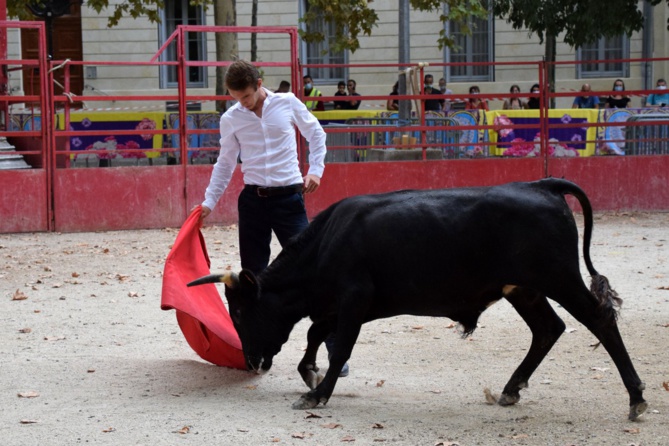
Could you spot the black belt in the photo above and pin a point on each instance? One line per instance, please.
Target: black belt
(263, 191)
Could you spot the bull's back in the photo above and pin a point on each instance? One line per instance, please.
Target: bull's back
(448, 242)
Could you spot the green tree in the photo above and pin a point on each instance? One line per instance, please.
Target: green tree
(580, 21)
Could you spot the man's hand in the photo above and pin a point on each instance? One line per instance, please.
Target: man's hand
(205, 212)
(311, 183)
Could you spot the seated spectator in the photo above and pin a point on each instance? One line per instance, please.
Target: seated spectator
(514, 103)
(432, 104)
(586, 101)
(341, 91)
(394, 104)
(534, 103)
(284, 87)
(352, 104)
(617, 100)
(446, 105)
(659, 100)
(474, 102)
(311, 92)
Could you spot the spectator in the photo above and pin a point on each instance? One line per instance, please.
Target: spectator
(431, 104)
(586, 101)
(341, 91)
(352, 104)
(474, 102)
(311, 92)
(534, 103)
(514, 103)
(659, 100)
(617, 100)
(394, 104)
(284, 87)
(446, 104)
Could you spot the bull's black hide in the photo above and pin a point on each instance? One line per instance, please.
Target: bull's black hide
(448, 253)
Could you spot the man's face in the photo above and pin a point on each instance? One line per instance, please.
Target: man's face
(341, 88)
(248, 97)
(442, 85)
(428, 81)
(350, 86)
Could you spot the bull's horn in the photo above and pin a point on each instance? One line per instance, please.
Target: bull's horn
(230, 279)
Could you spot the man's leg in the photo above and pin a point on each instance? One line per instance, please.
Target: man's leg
(255, 231)
(289, 218)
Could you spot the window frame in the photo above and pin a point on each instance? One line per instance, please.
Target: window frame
(624, 72)
(469, 77)
(170, 55)
(317, 73)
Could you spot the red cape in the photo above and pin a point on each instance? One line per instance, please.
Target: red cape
(201, 314)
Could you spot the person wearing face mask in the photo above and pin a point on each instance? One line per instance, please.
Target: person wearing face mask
(474, 102)
(534, 103)
(514, 103)
(310, 92)
(617, 100)
(586, 101)
(446, 104)
(431, 104)
(661, 99)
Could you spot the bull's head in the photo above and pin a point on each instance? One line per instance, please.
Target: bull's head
(254, 318)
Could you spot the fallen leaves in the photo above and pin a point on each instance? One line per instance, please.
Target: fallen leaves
(18, 295)
(25, 330)
(183, 431)
(632, 430)
(489, 397)
(108, 430)
(54, 338)
(381, 383)
(29, 394)
(666, 385)
(331, 425)
(28, 421)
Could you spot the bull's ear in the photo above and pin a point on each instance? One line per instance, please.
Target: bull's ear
(249, 283)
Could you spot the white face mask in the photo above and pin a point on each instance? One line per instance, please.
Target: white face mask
(661, 87)
(308, 86)
(618, 88)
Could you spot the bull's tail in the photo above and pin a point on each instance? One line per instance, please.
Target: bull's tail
(607, 298)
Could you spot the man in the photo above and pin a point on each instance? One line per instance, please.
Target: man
(284, 87)
(446, 105)
(353, 104)
(659, 100)
(432, 104)
(586, 101)
(260, 130)
(310, 92)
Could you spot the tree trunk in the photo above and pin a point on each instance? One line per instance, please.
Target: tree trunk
(550, 60)
(254, 22)
(225, 14)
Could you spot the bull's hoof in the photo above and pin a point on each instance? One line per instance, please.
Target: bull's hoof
(636, 410)
(312, 379)
(508, 400)
(305, 402)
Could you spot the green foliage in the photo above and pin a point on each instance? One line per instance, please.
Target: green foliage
(581, 21)
(129, 8)
(354, 17)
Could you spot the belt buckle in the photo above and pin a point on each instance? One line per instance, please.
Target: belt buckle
(262, 192)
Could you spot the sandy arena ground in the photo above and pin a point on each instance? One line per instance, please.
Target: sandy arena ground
(88, 357)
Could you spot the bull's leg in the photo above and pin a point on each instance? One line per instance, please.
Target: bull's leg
(349, 322)
(546, 327)
(307, 367)
(603, 325)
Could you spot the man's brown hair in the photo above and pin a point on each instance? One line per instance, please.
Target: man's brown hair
(241, 75)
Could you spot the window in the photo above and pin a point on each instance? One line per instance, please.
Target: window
(605, 49)
(181, 12)
(476, 47)
(320, 53)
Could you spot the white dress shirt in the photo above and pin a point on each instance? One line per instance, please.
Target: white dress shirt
(267, 146)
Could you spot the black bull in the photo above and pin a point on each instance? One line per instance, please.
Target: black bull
(445, 253)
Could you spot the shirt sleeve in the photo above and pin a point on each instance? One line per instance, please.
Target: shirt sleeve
(225, 165)
(311, 129)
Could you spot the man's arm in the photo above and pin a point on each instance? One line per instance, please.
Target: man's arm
(311, 129)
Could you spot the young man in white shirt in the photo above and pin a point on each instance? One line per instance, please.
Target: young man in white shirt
(260, 130)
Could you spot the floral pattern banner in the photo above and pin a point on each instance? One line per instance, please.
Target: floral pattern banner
(117, 145)
(524, 142)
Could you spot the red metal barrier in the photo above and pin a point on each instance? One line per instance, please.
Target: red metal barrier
(55, 197)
